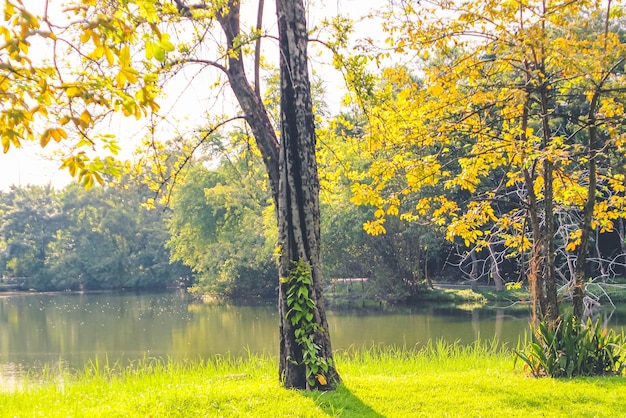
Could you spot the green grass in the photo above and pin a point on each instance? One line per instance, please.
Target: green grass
(453, 295)
(364, 294)
(616, 292)
(439, 380)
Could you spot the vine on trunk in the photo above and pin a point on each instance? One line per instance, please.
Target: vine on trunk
(301, 314)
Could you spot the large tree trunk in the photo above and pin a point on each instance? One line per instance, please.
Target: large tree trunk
(298, 198)
(292, 172)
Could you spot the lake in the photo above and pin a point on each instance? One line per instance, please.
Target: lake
(68, 330)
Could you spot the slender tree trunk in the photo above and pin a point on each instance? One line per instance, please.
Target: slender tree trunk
(429, 281)
(535, 279)
(552, 305)
(495, 270)
(249, 100)
(621, 232)
(298, 196)
(474, 272)
(583, 247)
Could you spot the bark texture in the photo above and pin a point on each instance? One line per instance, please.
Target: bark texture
(578, 295)
(292, 172)
(298, 193)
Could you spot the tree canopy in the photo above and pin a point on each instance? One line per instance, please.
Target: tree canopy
(511, 135)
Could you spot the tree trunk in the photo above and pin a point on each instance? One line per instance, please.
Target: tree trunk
(250, 102)
(298, 198)
(292, 172)
(581, 256)
(495, 270)
(552, 305)
(535, 280)
(474, 272)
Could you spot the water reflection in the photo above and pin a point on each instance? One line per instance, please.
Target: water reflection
(413, 327)
(40, 329)
(43, 328)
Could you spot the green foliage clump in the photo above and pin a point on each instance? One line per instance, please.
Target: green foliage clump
(222, 226)
(570, 349)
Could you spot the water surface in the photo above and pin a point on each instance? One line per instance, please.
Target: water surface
(69, 330)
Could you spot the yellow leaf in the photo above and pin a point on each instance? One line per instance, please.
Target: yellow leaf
(97, 53)
(86, 118)
(375, 227)
(45, 138)
(150, 48)
(73, 92)
(88, 181)
(108, 55)
(165, 43)
(85, 36)
(58, 134)
(436, 90)
(125, 56)
(321, 379)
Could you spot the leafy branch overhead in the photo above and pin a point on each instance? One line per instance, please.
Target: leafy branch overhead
(65, 71)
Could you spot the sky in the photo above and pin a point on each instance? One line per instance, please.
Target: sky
(32, 165)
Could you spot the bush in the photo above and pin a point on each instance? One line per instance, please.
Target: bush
(570, 348)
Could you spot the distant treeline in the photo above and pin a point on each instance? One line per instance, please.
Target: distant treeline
(217, 234)
(74, 239)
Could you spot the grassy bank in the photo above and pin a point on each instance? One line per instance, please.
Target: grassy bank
(365, 293)
(439, 380)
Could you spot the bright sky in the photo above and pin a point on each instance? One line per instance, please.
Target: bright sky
(29, 165)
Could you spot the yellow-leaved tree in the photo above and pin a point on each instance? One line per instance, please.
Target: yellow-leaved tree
(509, 134)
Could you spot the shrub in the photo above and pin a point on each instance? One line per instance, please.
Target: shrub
(570, 348)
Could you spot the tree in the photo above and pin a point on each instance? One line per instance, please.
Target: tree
(304, 335)
(494, 123)
(222, 226)
(110, 240)
(77, 239)
(109, 38)
(397, 262)
(30, 219)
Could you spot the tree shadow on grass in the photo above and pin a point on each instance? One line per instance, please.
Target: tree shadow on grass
(342, 403)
